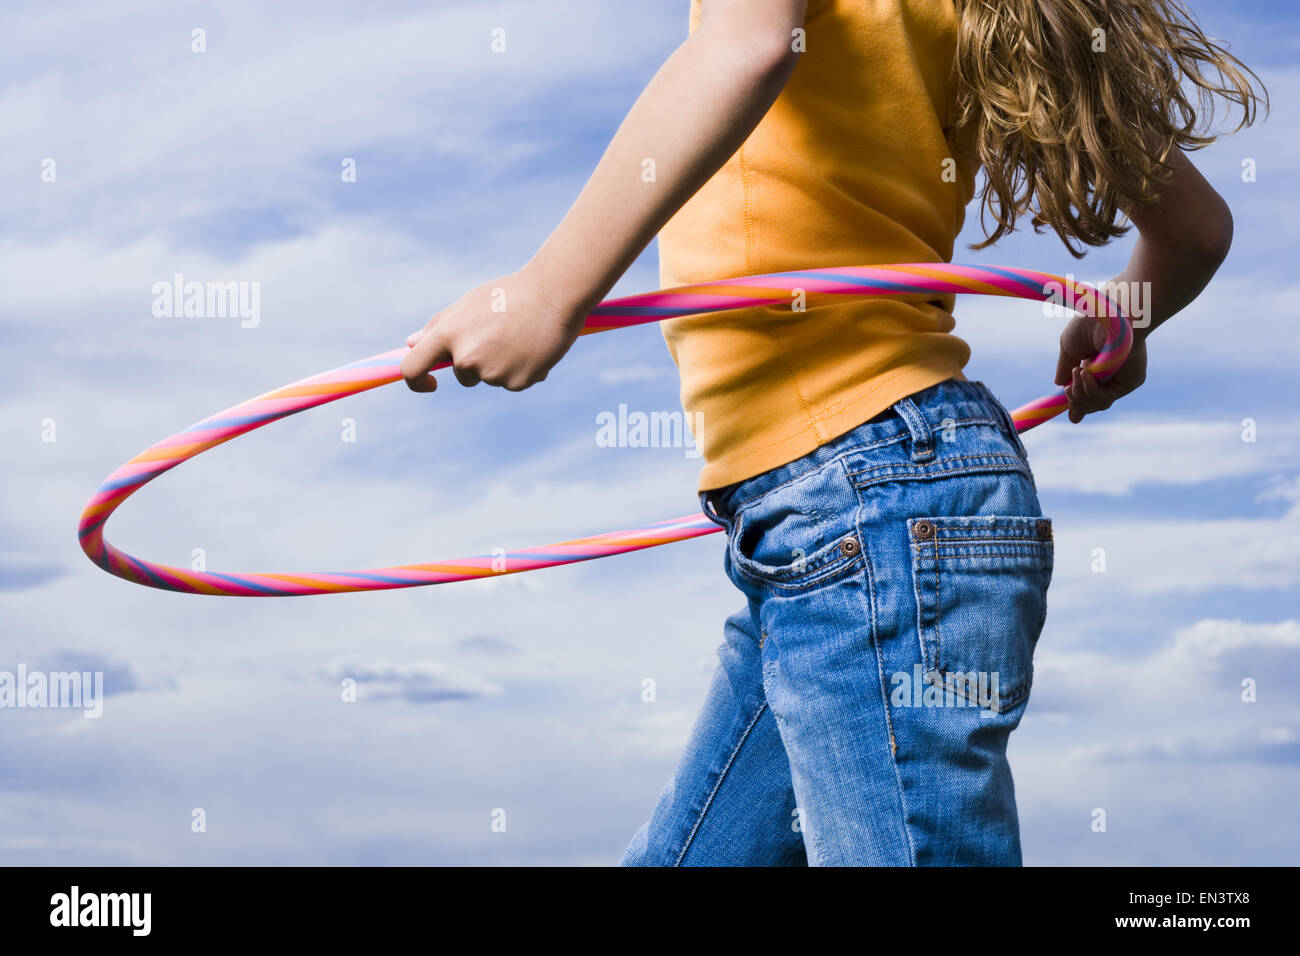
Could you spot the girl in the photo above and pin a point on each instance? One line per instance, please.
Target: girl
(883, 523)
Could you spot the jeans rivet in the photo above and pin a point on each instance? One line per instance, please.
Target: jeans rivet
(1044, 529)
(849, 547)
(923, 530)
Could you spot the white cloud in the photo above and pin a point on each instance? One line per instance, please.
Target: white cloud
(416, 682)
(1188, 557)
(1112, 457)
(1282, 489)
(635, 373)
(268, 112)
(1206, 661)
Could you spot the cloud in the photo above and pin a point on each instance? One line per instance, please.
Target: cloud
(1204, 662)
(416, 682)
(488, 646)
(627, 374)
(21, 572)
(1283, 489)
(1113, 457)
(1187, 557)
(279, 99)
(118, 677)
(1268, 744)
(655, 730)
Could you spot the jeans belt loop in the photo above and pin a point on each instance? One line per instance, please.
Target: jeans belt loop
(711, 511)
(919, 429)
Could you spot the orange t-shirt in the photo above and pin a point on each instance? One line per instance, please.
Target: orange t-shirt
(853, 165)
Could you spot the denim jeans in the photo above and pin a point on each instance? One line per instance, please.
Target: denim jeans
(896, 585)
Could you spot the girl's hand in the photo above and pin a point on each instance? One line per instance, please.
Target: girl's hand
(1081, 340)
(508, 332)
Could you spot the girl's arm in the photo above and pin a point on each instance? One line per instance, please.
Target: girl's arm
(1182, 240)
(697, 111)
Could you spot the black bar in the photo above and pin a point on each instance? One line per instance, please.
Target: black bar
(949, 907)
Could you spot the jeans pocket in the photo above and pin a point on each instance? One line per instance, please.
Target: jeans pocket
(981, 595)
(800, 534)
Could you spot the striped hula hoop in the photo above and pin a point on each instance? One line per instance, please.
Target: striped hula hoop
(773, 290)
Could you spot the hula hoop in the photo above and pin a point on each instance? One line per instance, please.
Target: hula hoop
(382, 369)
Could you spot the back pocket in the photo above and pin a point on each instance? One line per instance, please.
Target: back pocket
(981, 596)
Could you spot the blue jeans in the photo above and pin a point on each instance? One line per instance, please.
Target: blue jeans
(896, 584)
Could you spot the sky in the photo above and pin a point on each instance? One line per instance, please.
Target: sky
(224, 736)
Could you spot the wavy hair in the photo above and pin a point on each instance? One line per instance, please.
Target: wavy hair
(1073, 106)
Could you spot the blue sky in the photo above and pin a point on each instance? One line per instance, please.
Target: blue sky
(525, 693)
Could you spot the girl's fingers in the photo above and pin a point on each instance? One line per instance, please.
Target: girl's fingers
(1097, 393)
(1086, 394)
(1063, 365)
(420, 333)
(417, 376)
(419, 360)
(1084, 400)
(1078, 339)
(1091, 387)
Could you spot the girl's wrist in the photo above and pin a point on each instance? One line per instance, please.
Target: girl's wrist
(564, 296)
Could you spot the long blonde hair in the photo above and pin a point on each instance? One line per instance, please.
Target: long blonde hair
(1073, 106)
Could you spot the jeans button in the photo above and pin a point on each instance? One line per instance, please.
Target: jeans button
(1045, 529)
(849, 547)
(923, 530)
